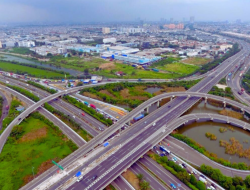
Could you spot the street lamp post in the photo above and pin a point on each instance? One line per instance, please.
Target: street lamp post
(33, 171)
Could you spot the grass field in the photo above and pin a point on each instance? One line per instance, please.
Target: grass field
(180, 69)
(20, 50)
(196, 60)
(76, 63)
(33, 144)
(132, 72)
(20, 69)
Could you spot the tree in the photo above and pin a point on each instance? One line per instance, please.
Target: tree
(237, 180)
(49, 55)
(247, 181)
(69, 85)
(144, 185)
(86, 71)
(193, 180)
(140, 176)
(201, 186)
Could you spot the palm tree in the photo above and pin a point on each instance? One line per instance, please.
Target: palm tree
(140, 176)
(144, 185)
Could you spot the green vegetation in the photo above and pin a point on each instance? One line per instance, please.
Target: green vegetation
(223, 81)
(52, 91)
(235, 183)
(132, 94)
(196, 60)
(166, 61)
(31, 70)
(178, 171)
(88, 110)
(13, 113)
(144, 185)
(221, 92)
(205, 68)
(211, 136)
(21, 50)
(180, 69)
(76, 63)
(132, 72)
(71, 123)
(212, 156)
(31, 147)
(25, 92)
(245, 81)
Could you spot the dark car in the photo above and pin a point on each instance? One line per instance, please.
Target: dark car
(203, 176)
(213, 185)
(184, 165)
(19, 119)
(94, 177)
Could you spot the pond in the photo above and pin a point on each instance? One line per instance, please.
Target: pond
(152, 90)
(196, 131)
(23, 60)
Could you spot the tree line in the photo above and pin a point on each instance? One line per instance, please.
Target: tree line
(50, 90)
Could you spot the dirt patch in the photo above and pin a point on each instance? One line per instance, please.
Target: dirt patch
(125, 93)
(170, 89)
(131, 178)
(164, 101)
(91, 95)
(107, 66)
(42, 168)
(230, 113)
(107, 93)
(33, 135)
(140, 89)
(138, 98)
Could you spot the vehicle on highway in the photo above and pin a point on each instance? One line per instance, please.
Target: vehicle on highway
(213, 185)
(172, 185)
(7, 107)
(83, 114)
(79, 178)
(162, 148)
(94, 177)
(184, 165)
(181, 165)
(174, 159)
(195, 172)
(19, 119)
(203, 176)
(153, 124)
(202, 180)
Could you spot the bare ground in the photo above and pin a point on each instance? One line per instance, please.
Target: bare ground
(33, 135)
(131, 178)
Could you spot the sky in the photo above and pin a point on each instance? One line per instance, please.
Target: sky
(15, 11)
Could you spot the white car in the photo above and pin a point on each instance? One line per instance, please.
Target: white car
(79, 178)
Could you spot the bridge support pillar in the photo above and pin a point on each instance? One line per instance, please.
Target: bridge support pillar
(205, 100)
(197, 119)
(129, 123)
(228, 121)
(212, 119)
(158, 104)
(224, 104)
(172, 97)
(243, 111)
(147, 109)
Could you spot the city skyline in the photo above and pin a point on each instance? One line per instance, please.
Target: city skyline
(14, 11)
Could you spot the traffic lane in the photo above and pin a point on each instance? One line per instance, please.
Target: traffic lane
(154, 183)
(184, 151)
(78, 111)
(162, 173)
(121, 184)
(83, 124)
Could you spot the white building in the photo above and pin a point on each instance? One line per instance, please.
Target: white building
(131, 30)
(1, 45)
(26, 44)
(109, 40)
(105, 30)
(10, 44)
(62, 50)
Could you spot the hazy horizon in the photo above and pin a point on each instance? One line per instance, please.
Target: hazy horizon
(21, 11)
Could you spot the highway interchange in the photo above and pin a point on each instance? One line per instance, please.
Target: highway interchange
(168, 113)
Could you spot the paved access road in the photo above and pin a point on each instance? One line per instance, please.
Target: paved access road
(5, 111)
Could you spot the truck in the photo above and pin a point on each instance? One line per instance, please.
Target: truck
(162, 148)
(203, 180)
(92, 106)
(156, 70)
(241, 91)
(105, 144)
(139, 117)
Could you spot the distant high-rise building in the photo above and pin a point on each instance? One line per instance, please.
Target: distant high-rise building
(192, 19)
(171, 20)
(105, 30)
(174, 26)
(1, 45)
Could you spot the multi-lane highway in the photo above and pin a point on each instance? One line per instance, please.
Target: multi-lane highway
(203, 86)
(5, 110)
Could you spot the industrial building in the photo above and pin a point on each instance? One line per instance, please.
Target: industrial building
(141, 60)
(26, 44)
(109, 40)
